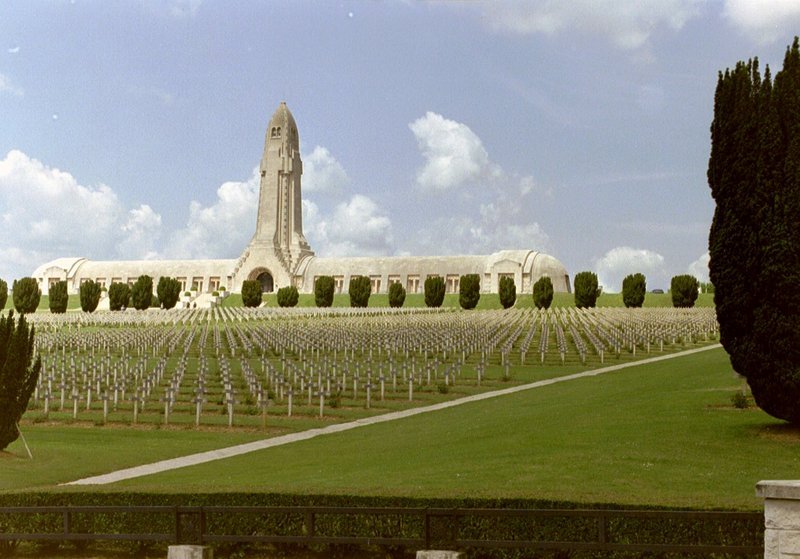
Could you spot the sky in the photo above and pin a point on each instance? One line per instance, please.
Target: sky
(133, 129)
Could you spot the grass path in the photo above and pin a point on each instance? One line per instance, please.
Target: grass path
(237, 450)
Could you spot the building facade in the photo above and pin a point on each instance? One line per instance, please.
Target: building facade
(279, 255)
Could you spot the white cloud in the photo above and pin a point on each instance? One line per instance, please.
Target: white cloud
(699, 268)
(618, 262)
(48, 214)
(454, 154)
(6, 86)
(141, 233)
(355, 228)
(628, 25)
(223, 229)
(13, 50)
(764, 21)
(322, 172)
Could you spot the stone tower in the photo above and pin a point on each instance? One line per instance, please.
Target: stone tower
(278, 246)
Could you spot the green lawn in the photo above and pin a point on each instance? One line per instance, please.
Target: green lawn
(660, 434)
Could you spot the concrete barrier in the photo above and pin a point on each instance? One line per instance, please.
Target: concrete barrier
(781, 518)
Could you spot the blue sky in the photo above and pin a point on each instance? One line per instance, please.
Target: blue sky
(132, 129)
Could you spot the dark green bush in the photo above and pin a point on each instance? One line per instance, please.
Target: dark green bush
(142, 293)
(543, 293)
(288, 296)
(507, 290)
(360, 289)
(3, 294)
(26, 295)
(59, 298)
(586, 289)
(469, 291)
(434, 291)
(684, 290)
(90, 295)
(397, 295)
(119, 296)
(634, 287)
(323, 291)
(251, 293)
(168, 291)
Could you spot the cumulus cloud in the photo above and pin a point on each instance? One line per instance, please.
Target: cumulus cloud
(141, 233)
(322, 172)
(47, 214)
(184, 8)
(618, 262)
(222, 229)
(7, 86)
(699, 268)
(628, 25)
(764, 21)
(357, 227)
(454, 154)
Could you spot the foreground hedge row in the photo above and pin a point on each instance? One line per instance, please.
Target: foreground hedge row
(742, 531)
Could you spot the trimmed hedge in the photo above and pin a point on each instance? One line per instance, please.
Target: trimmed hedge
(747, 530)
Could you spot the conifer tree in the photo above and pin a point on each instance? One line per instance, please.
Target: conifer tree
(59, 298)
(3, 294)
(586, 289)
(543, 293)
(323, 291)
(18, 374)
(359, 290)
(434, 291)
(119, 296)
(754, 243)
(507, 291)
(634, 288)
(90, 295)
(26, 295)
(397, 295)
(469, 291)
(251, 293)
(142, 293)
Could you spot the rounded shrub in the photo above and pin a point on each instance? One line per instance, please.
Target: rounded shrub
(397, 295)
(469, 291)
(251, 293)
(119, 296)
(168, 291)
(507, 290)
(543, 292)
(288, 296)
(684, 290)
(90, 295)
(586, 289)
(634, 287)
(360, 289)
(323, 291)
(59, 298)
(26, 295)
(142, 293)
(434, 291)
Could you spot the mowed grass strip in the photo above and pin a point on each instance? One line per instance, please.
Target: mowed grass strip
(660, 434)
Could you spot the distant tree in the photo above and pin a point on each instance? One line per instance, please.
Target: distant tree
(507, 290)
(3, 294)
(397, 295)
(155, 303)
(168, 291)
(288, 296)
(586, 289)
(634, 287)
(684, 291)
(119, 296)
(59, 298)
(469, 291)
(543, 292)
(360, 289)
(323, 291)
(26, 295)
(251, 293)
(706, 287)
(142, 293)
(90, 295)
(19, 374)
(434, 291)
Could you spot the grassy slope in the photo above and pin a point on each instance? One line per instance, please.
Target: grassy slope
(663, 434)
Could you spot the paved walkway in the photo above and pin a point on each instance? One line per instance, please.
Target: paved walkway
(219, 454)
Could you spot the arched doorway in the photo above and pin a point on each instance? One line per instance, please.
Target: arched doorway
(265, 279)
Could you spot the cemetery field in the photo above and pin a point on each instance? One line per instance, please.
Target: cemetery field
(660, 434)
(134, 388)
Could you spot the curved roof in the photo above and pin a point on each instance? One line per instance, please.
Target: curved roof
(68, 265)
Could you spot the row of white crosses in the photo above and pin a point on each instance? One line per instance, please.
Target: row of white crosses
(321, 355)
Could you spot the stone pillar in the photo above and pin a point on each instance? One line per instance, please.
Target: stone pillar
(439, 554)
(781, 518)
(190, 552)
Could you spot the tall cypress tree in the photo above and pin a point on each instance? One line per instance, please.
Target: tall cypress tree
(754, 175)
